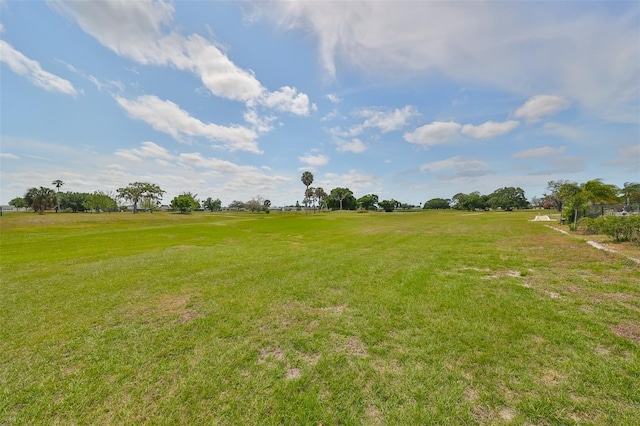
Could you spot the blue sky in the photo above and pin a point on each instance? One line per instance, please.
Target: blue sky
(406, 100)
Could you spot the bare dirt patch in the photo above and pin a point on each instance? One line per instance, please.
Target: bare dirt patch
(350, 345)
(507, 414)
(601, 350)
(165, 307)
(311, 359)
(272, 353)
(552, 378)
(629, 330)
(505, 273)
(293, 373)
(373, 415)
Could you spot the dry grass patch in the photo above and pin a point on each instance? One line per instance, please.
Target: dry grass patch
(349, 345)
(176, 306)
(629, 330)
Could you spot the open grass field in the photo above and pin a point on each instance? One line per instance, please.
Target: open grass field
(331, 318)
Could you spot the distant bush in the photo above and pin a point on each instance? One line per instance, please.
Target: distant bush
(620, 228)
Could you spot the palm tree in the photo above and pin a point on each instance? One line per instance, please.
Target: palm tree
(307, 179)
(321, 196)
(41, 199)
(576, 198)
(309, 197)
(57, 183)
(631, 192)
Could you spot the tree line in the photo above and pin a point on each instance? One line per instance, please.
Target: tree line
(570, 198)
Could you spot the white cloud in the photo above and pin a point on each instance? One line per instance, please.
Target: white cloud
(9, 156)
(314, 160)
(140, 30)
(32, 70)
(261, 124)
(332, 115)
(542, 152)
(221, 76)
(287, 99)
(355, 145)
(333, 98)
(527, 48)
(167, 117)
(433, 133)
(459, 163)
(127, 154)
(489, 129)
(147, 150)
(539, 106)
(387, 121)
(128, 28)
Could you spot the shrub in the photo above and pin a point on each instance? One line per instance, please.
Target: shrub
(589, 226)
(620, 228)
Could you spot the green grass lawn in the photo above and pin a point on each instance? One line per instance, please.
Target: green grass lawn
(333, 318)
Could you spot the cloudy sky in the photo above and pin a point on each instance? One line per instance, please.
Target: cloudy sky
(407, 100)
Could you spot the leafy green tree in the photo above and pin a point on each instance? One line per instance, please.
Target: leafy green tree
(41, 199)
(18, 203)
(185, 202)
(73, 201)
(343, 197)
(235, 204)
(57, 183)
(631, 192)
(212, 205)
(507, 198)
(368, 202)
(100, 201)
(148, 193)
(437, 204)
(468, 202)
(388, 205)
(554, 193)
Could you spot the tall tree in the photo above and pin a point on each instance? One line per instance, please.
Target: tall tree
(507, 198)
(41, 199)
(554, 194)
(340, 194)
(631, 192)
(576, 198)
(58, 183)
(141, 191)
(310, 197)
(307, 180)
(321, 196)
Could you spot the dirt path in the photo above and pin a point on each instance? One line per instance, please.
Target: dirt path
(597, 245)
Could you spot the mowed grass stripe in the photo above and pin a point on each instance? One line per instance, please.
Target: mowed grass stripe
(333, 318)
